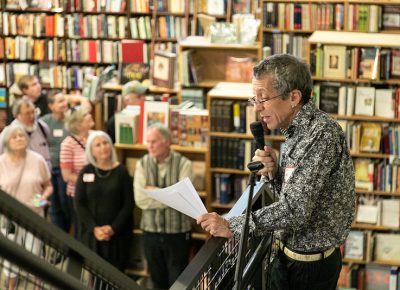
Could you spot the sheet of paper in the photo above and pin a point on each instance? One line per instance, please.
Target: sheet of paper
(181, 196)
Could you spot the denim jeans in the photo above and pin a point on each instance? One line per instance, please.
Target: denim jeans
(59, 210)
(288, 274)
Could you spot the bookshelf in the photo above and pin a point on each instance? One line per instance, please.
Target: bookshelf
(377, 187)
(230, 142)
(288, 24)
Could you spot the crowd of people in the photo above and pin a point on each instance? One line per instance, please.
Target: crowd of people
(53, 161)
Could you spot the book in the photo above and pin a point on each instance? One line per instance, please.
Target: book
(354, 246)
(369, 63)
(365, 101)
(126, 125)
(132, 51)
(377, 277)
(3, 98)
(238, 69)
(387, 247)
(395, 67)
(370, 137)
(385, 103)
(133, 71)
(154, 112)
(329, 97)
(391, 213)
(334, 61)
(364, 174)
(164, 69)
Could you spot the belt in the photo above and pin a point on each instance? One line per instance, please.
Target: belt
(305, 257)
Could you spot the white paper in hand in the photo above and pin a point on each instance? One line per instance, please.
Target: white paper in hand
(181, 196)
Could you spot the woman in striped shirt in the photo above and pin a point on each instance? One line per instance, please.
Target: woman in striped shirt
(78, 122)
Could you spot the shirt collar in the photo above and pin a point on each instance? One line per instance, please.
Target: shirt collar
(301, 120)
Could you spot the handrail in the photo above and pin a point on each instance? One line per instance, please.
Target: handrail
(78, 257)
(209, 254)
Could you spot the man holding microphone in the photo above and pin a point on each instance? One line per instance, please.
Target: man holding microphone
(315, 181)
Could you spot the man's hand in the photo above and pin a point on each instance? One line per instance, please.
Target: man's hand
(215, 225)
(268, 158)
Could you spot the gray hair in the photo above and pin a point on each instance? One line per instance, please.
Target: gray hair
(24, 101)
(288, 72)
(162, 129)
(74, 118)
(9, 131)
(88, 151)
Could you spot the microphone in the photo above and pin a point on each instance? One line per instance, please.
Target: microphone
(258, 132)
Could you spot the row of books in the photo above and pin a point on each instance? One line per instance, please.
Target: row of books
(378, 211)
(296, 45)
(96, 26)
(371, 137)
(28, 48)
(189, 127)
(231, 116)
(372, 175)
(365, 18)
(228, 187)
(369, 277)
(95, 5)
(231, 153)
(24, 4)
(342, 62)
(367, 246)
(373, 18)
(347, 100)
(30, 24)
(171, 6)
(140, 27)
(53, 76)
(303, 16)
(170, 27)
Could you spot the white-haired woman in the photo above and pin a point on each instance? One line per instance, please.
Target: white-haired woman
(23, 174)
(104, 201)
(78, 122)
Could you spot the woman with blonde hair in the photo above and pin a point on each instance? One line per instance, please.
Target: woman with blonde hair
(24, 175)
(78, 122)
(104, 201)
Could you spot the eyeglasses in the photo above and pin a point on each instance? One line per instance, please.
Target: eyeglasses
(254, 100)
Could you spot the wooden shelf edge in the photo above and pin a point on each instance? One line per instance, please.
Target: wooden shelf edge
(178, 148)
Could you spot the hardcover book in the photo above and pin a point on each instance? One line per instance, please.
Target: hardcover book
(334, 61)
(365, 101)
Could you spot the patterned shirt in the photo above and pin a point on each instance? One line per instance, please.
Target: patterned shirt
(315, 183)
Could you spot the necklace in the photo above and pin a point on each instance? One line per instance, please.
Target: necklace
(107, 174)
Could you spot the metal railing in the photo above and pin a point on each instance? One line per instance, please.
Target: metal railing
(214, 265)
(35, 254)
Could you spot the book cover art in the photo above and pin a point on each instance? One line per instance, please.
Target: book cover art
(370, 137)
(133, 71)
(239, 69)
(334, 61)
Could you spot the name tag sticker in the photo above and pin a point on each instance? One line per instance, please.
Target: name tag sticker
(288, 172)
(57, 132)
(88, 177)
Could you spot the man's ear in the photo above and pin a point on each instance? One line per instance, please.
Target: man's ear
(295, 98)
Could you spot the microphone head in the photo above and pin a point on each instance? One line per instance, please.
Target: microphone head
(257, 128)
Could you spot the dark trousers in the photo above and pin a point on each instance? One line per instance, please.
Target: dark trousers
(167, 256)
(288, 274)
(74, 218)
(59, 209)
